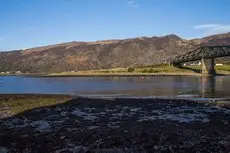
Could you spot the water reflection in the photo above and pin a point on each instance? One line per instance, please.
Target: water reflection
(208, 87)
(166, 86)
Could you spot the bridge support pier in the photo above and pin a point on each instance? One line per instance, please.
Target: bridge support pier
(208, 67)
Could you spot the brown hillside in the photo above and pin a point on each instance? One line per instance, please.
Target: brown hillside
(76, 56)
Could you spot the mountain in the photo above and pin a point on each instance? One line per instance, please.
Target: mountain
(220, 39)
(75, 56)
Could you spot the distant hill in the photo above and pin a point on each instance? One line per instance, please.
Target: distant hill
(74, 56)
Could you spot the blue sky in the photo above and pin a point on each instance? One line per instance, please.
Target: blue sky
(30, 23)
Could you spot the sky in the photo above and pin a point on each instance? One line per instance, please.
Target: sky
(30, 23)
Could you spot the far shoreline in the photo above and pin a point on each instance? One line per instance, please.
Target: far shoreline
(155, 70)
(115, 75)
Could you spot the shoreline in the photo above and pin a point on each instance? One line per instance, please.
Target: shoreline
(116, 75)
(82, 125)
(122, 75)
(17, 95)
(54, 99)
(154, 70)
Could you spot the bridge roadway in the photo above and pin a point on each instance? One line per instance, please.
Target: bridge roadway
(206, 54)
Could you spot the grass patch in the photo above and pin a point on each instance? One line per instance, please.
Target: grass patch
(223, 68)
(19, 103)
(165, 69)
(131, 69)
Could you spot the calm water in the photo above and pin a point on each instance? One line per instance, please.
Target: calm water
(169, 86)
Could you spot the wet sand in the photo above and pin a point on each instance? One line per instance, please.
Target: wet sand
(117, 126)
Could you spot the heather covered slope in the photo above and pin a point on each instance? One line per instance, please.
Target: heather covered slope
(75, 56)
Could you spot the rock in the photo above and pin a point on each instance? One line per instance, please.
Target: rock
(4, 114)
(62, 137)
(156, 147)
(3, 150)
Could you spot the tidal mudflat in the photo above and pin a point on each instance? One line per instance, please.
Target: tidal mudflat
(67, 124)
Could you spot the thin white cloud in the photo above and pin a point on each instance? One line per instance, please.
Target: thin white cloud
(205, 26)
(109, 33)
(209, 29)
(132, 3)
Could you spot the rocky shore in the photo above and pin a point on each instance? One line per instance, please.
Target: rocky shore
(117, 126)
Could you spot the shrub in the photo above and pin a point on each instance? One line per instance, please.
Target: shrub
(151, 71)
(144, 71)
(131, 69)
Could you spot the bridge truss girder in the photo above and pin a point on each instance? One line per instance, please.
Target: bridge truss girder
(205, 52)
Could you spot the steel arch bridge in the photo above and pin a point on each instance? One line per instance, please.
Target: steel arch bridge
(204, 52)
